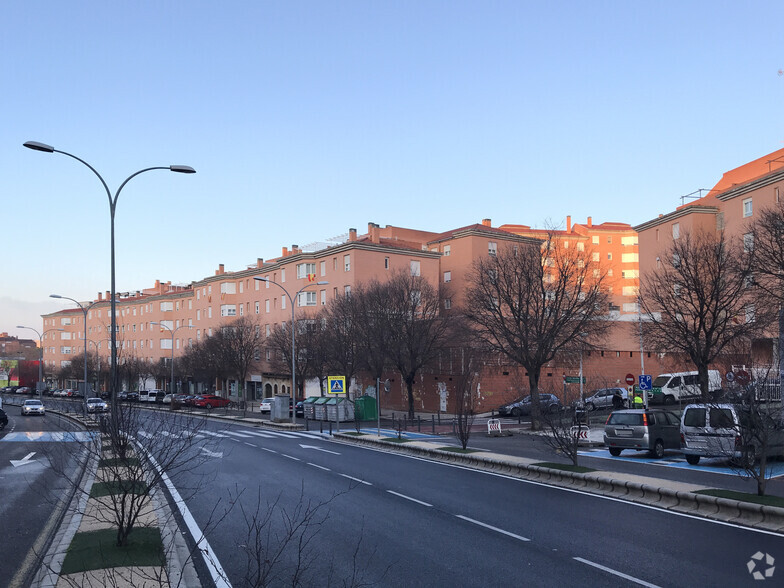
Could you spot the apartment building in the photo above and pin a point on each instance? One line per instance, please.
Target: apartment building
(196, 310)
(730, 206)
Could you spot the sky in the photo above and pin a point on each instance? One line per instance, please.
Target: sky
(306, 118)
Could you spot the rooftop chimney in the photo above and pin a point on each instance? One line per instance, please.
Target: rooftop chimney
(374, 232)
(259, 262)
(568, 224)
(487, 222)
(295, 249)
(220, 271)
(352, 234)
(284, 251)
(108, 295)
(100, 296)
(590, 222)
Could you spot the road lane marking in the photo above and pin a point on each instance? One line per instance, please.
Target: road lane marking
(409, 498)
(284, 435)
(318, 449)
(219, 435)
(257, 434)
(209, 453)
(357, 480)
(242, 435)
(24, 461)
(616, 573)
(315, 465)
(291, 457)
(270, 450)
(251, 444)
(492, 528)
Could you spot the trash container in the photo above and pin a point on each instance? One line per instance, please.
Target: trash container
(309, 407)
(339, 409)
(320, 408)
(365, 408)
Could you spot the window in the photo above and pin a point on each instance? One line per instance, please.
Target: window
(750, 313)
(595, 240)
(415, 270)
(165, 344)
(609, 239)
(676, 260)
(198, 295)
(228, 310)
(595, 256)
(581, 246)
(347, 290)
(283, 275)
(323, 268)
(323, 297)
(65, 321)
(305, 269)
(447, 303)
(447, 277)
(257, 282)
(630, 257)
(630, 274)
(676, 230)
(266, 306)
(190, 307)
(307, 299)
(610, 272)
(776, 194)
(447, 250)
(241, 312)
(228, 288)
(629, 291)
(609, 257)
(492, 247)
(198, 316)
(747, 208)
(209, 312)
(748, 242)
(386, 263)
(347, 263)
(566, 244)
(283, 303)
(257, 305)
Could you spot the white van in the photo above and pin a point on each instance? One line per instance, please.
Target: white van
(672, 388)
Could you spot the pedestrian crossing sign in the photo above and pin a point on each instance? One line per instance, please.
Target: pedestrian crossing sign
(337, 384)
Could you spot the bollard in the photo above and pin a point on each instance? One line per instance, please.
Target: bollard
(433, 423)
(330, 427)
(419, 424)
(321, 426)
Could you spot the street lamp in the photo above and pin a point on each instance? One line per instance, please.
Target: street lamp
(172, 331)
(183, 169)
(84, 312)
(41, 345)
(293, 337)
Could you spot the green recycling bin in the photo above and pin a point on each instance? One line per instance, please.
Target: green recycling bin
(365, 408)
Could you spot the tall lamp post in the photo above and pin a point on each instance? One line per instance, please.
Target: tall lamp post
(183, 169)
(293, 338)
(41, 346)
(84, 310)
(172, 331)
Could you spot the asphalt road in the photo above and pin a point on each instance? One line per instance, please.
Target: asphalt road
(411, 522)
(31, 488)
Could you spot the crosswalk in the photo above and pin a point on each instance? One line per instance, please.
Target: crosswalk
(238, 434)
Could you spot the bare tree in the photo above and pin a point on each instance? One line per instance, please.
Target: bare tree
(466, 363)
(239, 345)
(311, 350)
(417, 332)
(531, 303)
(700, 300)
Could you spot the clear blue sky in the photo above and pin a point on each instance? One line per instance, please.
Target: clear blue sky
(306, 118)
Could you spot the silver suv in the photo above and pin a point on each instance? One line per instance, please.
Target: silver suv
(642, 430)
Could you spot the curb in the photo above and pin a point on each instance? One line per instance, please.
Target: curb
(747, 514)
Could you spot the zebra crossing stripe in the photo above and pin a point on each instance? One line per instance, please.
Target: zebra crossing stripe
(219, 435)
(242, 435)
(257, 434)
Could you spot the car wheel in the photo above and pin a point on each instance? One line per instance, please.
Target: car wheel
(693, 459)
(589, 406)
(515, 412)
(615, 452)
(669, 399)
(658, 449)
(553, 408)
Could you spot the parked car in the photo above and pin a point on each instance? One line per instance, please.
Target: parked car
(603, 398)
(189, 399)
(155, 396)
(132, 397)
(97, 405)
(121, 395)
(266, 405)
(300, 409)
(672, 388)
(22, 390)
(724, 430)
(167, 399)
(547, 402)
(33, 406)
(3, 419)
(643, 430)
(209, 401)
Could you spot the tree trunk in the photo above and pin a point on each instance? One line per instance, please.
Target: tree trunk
(410, 392)
(536, 411)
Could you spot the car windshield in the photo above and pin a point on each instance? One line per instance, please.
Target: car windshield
(660, 381)
(625, 418)
(93, 400)
(32, 402)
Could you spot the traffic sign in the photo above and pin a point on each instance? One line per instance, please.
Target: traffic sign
(630, 379)
(336, 384)
(730, 376)
(645, 382)
(743, 377)
(573, 379)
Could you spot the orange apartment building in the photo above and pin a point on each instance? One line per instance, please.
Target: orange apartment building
(730, 206)
(197, 310)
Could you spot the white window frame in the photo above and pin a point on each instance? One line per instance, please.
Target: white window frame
(748, 208)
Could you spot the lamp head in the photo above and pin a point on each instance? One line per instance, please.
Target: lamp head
(36, 146)
(182, 169)
(321, 283)
(261, 279)
(54, 296)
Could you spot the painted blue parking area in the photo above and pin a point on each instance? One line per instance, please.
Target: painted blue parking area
(403, 434)
(49, 436)
(674, 459)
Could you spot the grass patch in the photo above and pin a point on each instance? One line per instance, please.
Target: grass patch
(97, 550)
(353, 433)
(457, 449)
(744, 497)
(395, 440)
(100, 489)
(113, 462)
(565, 467)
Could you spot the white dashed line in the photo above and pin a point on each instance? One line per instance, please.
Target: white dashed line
(242, 435)
(357, 480)
(496, 529)
(315, 465)
(270, 450)
(616, 573)
(251, 444)
(291, 457)
(409, 498)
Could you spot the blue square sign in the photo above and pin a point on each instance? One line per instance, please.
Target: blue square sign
(645, 382)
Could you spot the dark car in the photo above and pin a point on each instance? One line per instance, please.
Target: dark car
(522, 407)
(300, 410)
(132, 397)
(643, 430)
(3, 419)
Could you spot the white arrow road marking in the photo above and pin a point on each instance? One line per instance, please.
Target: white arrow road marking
(318, 449)
(211, 453)
(24, 461)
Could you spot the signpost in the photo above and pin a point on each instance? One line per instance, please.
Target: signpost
(336, 384)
